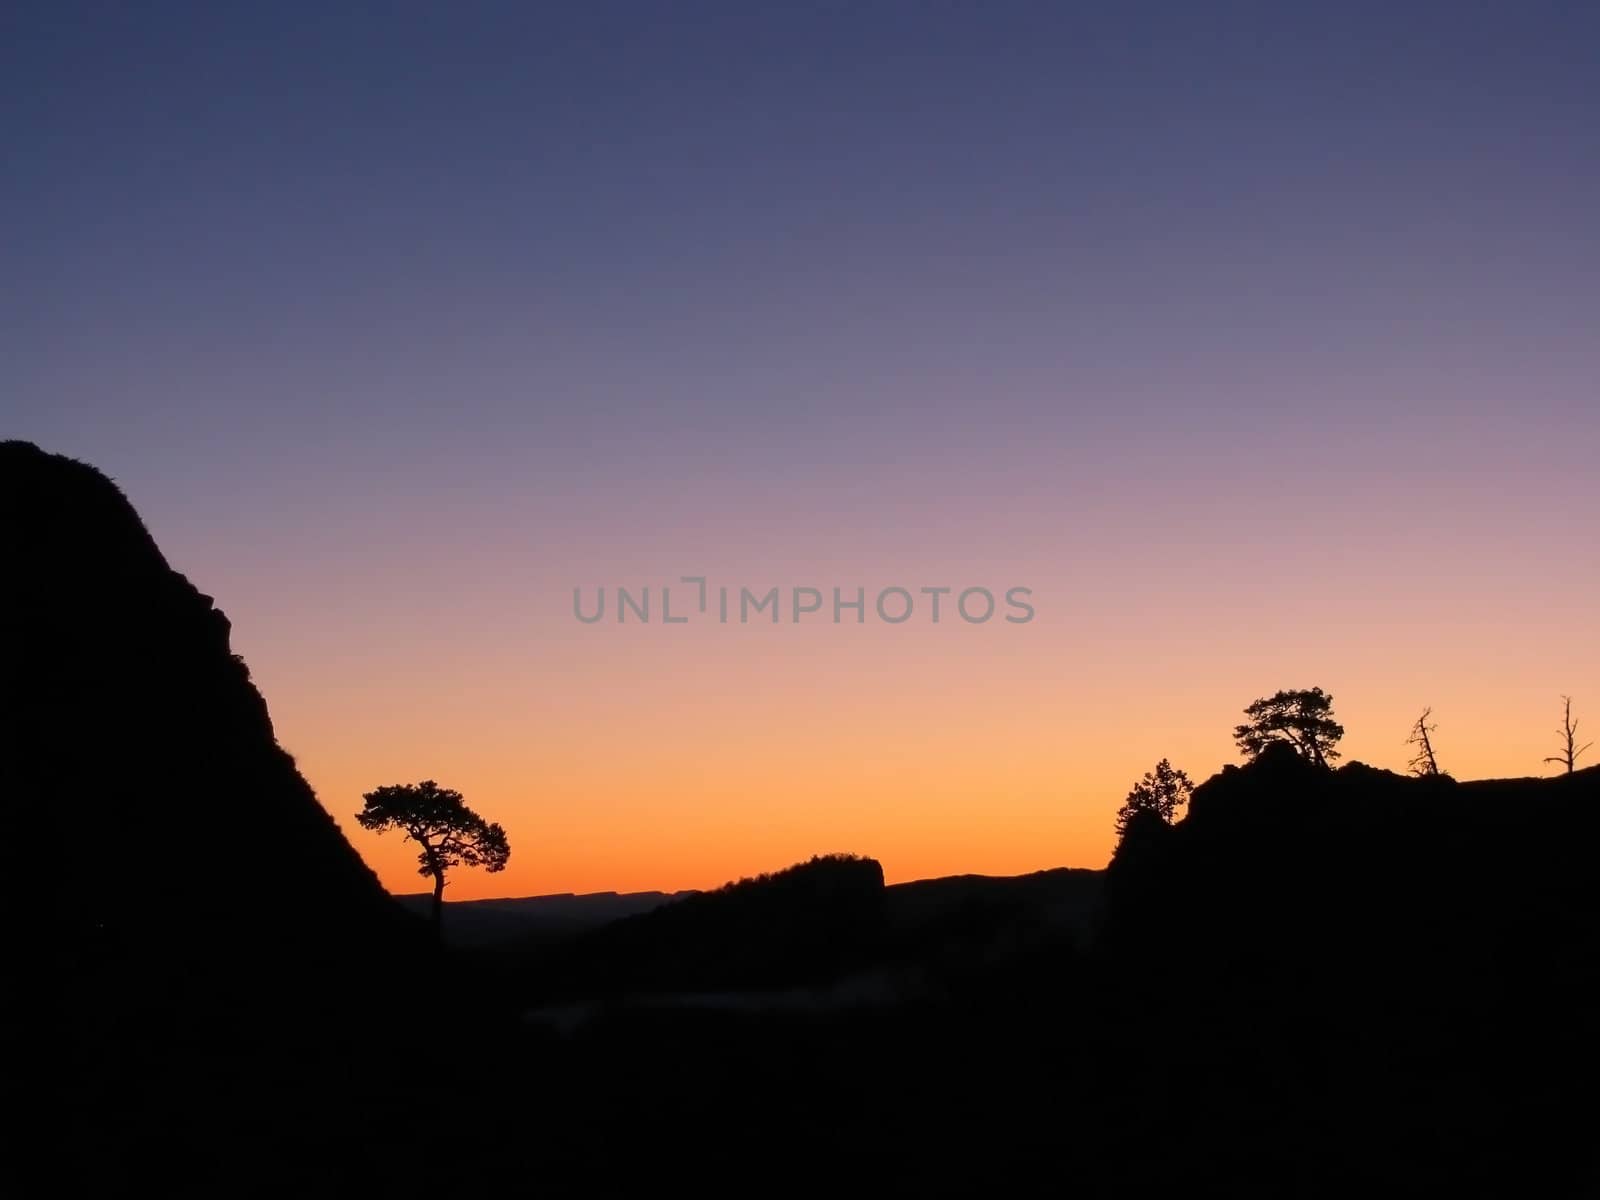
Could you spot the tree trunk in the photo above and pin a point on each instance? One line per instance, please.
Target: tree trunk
(438, 905)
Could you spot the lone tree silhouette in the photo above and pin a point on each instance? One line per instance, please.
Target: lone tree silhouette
(1568, 733)
(450, 833)
(1161, 792)
(1302, 718)
(1423, 762)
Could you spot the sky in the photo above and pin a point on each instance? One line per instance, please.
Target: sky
(1259, 341)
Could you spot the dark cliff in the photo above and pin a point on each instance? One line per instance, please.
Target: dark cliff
(139, 742)
(208, 934)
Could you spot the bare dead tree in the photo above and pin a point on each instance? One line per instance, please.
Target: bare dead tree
(1568, 733)
(1423, 761)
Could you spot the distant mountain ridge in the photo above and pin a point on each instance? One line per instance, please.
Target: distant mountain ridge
(1059, 895)
(557, 914)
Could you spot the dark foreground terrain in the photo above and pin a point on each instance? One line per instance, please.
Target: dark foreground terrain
(1318, 983)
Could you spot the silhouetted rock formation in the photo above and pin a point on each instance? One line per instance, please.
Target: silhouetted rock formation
(1370, 968)
(142, 746)
(196, 892)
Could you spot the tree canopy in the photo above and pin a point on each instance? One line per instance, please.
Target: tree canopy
(1162, 792)
(1303, 718)
(449, 833)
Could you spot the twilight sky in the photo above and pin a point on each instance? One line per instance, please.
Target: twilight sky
(1260, 340)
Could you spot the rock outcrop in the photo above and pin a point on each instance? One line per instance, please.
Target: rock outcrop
(224, 979)
(138, 742)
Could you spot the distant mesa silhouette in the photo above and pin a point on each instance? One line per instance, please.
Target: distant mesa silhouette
(815, 919)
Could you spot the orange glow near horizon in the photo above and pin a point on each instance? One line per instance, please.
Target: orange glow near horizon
(424, 629)
(1263, 350)
(649, 757)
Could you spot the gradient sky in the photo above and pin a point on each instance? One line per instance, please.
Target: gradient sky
(1260, 340)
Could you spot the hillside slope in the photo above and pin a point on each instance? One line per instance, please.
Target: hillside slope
(208, 932)
(142, 743)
